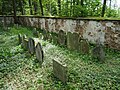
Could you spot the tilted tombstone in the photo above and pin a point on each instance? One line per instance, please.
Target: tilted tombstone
(19, 38)
(73, 41)
(32, 42)
(60, 71)
(62, 38)
(39, 53)
(84, 46)
(98, 52)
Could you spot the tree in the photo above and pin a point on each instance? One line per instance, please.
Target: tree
(30, 6)
(103, 8)
(41, 7)
(14, 9)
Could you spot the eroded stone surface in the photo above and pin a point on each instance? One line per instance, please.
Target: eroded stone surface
(60, 71)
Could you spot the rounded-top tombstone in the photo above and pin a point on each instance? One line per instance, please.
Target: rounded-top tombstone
(31, 45)
(39, 53)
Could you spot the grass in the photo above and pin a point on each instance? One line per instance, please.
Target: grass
(20, 71)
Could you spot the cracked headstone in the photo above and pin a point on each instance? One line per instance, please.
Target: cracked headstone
(39, 53)
(60, 71)
(73, 41)
(84, 46)
(62, 38)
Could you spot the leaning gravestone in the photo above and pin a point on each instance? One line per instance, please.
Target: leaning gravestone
(32, 42)
(98, 52)
(19, 38)
(62, 38)
(60, 71)
(84, 46)
(73, 41)
(39, 53)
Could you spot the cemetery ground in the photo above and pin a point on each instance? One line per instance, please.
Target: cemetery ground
(21, 71)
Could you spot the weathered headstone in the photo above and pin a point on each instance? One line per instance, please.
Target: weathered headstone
(84, 46)
(25, 44)
(60, 71)
(32, 42)
(62, 38)
(98, 52)
(73, 41)
(39, 53)
(54, 38)
(19, 38)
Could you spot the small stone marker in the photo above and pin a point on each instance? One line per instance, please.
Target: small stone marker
(98, 52)
(62, 38)
(19, 38)
(60, 71)
(84, 46)
(73, 41)
(39, 53)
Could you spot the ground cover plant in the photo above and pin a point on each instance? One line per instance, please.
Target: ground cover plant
(21, 71)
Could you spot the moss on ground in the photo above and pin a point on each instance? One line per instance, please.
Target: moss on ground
(20, 71)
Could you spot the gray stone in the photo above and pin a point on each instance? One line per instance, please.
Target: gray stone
(23, 37)
(98, 52)
(60, 71)
(73, 41)
(31, 45)
(19, 38)
(39, 53)
(84, 46)
(62, 38)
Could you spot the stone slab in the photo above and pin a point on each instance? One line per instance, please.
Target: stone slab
(60, 71)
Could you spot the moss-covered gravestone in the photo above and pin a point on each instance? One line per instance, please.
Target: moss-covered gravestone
(73, 41)
(84, 46)
(60, 71)
(19, 38)
(98, 52)
(54, 38)
(62, 38)
(39, 53)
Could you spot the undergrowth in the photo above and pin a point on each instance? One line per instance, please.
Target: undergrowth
(21, 71)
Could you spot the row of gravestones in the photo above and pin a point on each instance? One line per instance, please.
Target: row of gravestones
(73, 43)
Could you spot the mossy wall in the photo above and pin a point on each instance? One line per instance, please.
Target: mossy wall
(107, 30)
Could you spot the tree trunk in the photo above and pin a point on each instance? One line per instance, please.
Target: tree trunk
(14, 10)
(41, 7)
(59, 7)
(30, 5)
(81, 3)
(35, 7)
(21, 6)
(103, 8)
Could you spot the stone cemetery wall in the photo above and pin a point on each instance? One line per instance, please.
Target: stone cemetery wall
(108, 31)
(7, 19)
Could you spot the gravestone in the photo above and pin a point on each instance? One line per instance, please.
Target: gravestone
(32, 42)
(39, 53)
(25, 45)
(73, 41)
(84, 46)
(60, 71)
(98, 52)
(54, 38)
(24, 37)
(62, 38)
(19, 38)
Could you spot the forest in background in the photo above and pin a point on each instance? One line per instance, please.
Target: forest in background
(65, 8)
